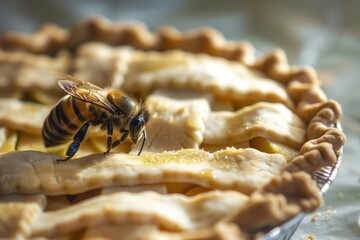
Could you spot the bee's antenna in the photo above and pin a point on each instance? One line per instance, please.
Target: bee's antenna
(144, 140)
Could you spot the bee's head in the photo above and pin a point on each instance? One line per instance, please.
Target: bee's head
(137, 125)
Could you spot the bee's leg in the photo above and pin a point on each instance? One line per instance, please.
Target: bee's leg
(77, 139)
(109, 128)
(122, 139)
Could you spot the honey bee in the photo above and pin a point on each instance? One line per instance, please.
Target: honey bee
(87, 104)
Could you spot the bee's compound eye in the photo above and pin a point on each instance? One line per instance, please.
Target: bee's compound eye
(136, 127)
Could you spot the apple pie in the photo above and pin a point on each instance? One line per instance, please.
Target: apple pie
(232, 142)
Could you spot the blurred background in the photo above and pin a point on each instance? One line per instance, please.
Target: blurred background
(324, 34)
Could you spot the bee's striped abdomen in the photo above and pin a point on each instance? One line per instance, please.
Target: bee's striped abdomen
(64, 120)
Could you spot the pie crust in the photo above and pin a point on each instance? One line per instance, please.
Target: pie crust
(232, 142)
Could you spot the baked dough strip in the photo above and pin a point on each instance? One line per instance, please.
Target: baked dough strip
(272, 121)
(17, 214)
(243, 170)
(180, 70)
(177, 120)
(169, 212)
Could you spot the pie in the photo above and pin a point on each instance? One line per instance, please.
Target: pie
(232, 142)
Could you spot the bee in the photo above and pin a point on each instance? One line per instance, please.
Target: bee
(89, 105)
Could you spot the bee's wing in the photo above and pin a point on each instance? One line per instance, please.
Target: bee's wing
(77, 81)
(84, 91)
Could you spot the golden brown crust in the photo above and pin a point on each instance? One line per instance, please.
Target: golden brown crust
(324, 140)
(26, 117)
(50, 39)
(47, 40)
(130, 208)
(313, 107)
(18, 212)
(302, 82)
(296, 187)
(24, 74)
(279, 199)
(37, 172)
(282, 198)
(101, 30)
